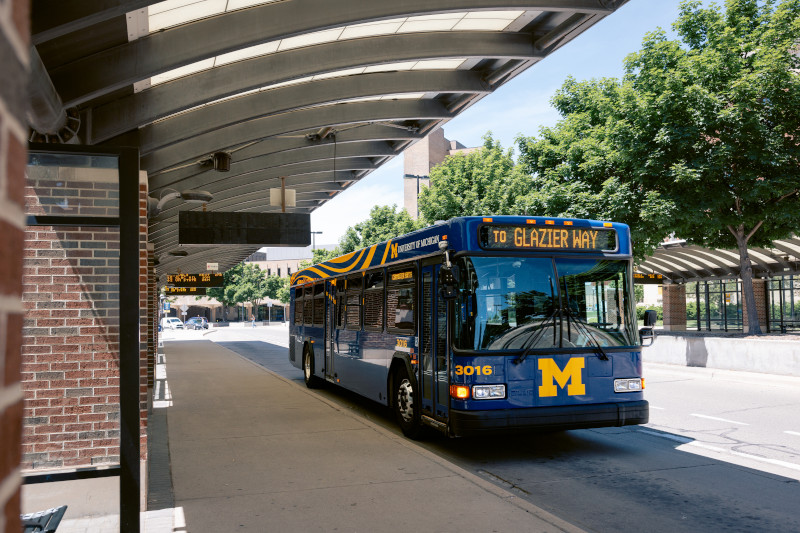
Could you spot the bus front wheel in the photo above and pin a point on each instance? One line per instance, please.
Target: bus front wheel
(312, 381)
(406, 405)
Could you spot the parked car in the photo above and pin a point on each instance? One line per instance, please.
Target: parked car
(197, 322)
(171, 322)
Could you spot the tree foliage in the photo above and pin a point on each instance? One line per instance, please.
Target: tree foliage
(486, 181)
(384, 223)
(580, 170)
(701, 138)
(247, 283)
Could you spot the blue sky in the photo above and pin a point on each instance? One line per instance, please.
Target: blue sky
(521, 106)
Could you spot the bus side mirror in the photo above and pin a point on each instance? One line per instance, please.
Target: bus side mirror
(647, 334)
(447, 283)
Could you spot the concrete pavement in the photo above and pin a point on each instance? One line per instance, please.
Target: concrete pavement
(254, 451)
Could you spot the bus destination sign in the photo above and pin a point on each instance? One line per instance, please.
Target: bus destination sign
(568, 239)
(195, 280)
(189, 291)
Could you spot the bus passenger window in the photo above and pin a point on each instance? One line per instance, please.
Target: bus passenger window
(308, 302)
(354, 284)
(373, 301)
(340, 304)
(298, 306)
(400, 308)
(319, 304)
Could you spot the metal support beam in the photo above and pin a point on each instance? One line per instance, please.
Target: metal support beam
(160, 52)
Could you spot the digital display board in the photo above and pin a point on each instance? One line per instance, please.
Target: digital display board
(195, 280)
(189, 291)
(550, 238)
(648, 279)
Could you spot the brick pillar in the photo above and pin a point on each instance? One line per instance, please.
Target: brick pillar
(14, 42)
(760, 293)
(674, 301)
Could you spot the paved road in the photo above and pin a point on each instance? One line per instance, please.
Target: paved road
(721, 453)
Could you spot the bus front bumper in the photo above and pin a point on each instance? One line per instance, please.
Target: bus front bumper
(464, 423)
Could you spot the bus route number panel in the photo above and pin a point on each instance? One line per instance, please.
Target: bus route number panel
(189, 291)
(569, 239)
(195, 280)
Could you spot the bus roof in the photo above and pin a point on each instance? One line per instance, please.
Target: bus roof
(425, 241)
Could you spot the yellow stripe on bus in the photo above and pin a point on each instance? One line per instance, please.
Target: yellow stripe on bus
(386, 251)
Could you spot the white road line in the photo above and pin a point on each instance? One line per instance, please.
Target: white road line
(720, 419)
(654, 407)
(793, 433)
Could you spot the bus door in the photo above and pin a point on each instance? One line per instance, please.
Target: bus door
(330, 328)
(433, 364)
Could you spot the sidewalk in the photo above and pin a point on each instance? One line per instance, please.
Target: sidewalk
(254, 451)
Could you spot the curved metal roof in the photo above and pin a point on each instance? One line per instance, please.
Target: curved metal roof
(315, 91)
(679, 262)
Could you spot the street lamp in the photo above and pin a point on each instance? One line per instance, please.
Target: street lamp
(314, 240)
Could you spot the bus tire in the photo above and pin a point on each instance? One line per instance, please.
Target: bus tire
(406, 406)
(312, 381)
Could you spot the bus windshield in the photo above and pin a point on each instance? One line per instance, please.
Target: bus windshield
(531, 303)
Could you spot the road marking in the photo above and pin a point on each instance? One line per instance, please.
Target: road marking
(688, 442)
(654, 407)
(793, 433)
(720, 419)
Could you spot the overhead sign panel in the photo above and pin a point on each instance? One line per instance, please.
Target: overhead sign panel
(196, 228)
(195, 280)
(186, 291)
(648, 279)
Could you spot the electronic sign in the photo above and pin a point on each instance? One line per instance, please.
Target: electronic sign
(648, 279)
(188, 291)
(550, 238)
(195, 280)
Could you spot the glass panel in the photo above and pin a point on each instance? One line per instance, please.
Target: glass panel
(506, 303)
(373, 309)
(596, 303)
(72, 185)
(400, 308)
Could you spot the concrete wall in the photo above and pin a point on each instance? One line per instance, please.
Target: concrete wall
(769, 355)
(14, 43)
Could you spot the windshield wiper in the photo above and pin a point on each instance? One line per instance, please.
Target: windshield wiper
(584, 327)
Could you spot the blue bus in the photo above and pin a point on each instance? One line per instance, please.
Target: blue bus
(479, 325)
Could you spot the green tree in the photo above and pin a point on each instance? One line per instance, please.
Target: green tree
(711, 124)
(245, 282)
(486, 181)
(580, 170)
(384, 223)
(277, 288)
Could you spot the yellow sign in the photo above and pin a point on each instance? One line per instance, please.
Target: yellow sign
(400, 276)
(572, 373)
(530, 237)
(485, 370)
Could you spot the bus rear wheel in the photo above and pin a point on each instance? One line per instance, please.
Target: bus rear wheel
(312, 381)
(406, 405)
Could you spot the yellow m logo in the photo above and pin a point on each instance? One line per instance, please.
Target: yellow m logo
(394, 251)
(573, 372)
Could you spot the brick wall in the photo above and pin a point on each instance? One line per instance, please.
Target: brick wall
(70, 350)
(674, 301)
(14, 37)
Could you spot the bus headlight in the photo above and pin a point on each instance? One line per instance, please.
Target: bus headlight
(628, 385)
(488, 392)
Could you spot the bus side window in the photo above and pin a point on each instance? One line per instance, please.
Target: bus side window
(298, 306)
(373, 300)
(308, 303)
(400, 301)
(319, 304)
(354, 284)
(340, 304)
